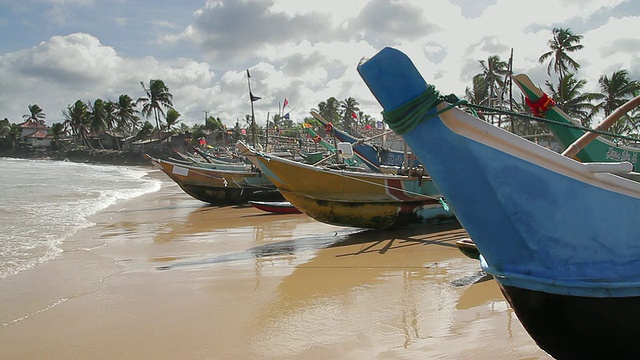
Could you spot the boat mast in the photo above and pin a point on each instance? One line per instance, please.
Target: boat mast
(253, 117)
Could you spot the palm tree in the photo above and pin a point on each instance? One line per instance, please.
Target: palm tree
(329, 110)
(575, 103)
(98, 119)
(615, 92)
(36, 114)
(158, 98)
(349, 109)
(126, 114)
(110, 121)
(172, 118)
(145, 130)
(494, 71)
(76, 118)
(58, 131)
(564, 41)
(215, 126)
(5, 134)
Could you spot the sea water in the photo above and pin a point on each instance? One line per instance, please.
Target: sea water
(43, 202)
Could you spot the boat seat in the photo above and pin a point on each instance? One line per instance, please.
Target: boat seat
(623, 167)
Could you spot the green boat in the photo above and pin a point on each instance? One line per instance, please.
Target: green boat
(598, 150)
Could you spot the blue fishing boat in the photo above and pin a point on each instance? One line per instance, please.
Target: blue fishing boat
(375, 157)
(559, 236)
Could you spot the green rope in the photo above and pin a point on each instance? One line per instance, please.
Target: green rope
(410, 114)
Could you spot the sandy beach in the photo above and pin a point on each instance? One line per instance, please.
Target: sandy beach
(165, 276)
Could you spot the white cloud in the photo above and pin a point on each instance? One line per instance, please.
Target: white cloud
(306, 53)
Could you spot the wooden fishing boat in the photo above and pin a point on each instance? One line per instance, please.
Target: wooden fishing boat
(600, 149)
(276, 207)
(350, 198)
(354, 161)
(377, 158)
(191, 161)
(559, 236)
(468, 248)
(218, 187)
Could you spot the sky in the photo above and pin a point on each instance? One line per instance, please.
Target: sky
(55, 52)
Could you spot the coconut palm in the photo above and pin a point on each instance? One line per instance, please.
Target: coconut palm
(575, 103)
(98, 119)
(126, 114)
(172, 118)
(76, 118)
(564, 41)
(58, 131)
(157, 100)
(7, 138)
(36, 114)
(349, 109)
(615, 91)
(145, 130)
(110, 120)
(330, 110)
(494, 71)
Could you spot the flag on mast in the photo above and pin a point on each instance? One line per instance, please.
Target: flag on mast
(254, 98)
(286, 102)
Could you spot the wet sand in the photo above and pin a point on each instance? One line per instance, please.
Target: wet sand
(167, 277)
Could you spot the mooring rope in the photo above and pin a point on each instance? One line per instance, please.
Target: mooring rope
(407, 116)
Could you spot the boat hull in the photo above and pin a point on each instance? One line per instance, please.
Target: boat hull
(218, 187)
(358, 199)
(276, 207)
(543, 223)
(468, 248)
(365, 214)
(578, 327)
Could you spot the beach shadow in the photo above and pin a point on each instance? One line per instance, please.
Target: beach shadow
(443, 235)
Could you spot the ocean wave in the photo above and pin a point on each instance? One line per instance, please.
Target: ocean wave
(46, 202)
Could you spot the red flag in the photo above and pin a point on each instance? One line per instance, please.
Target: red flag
(286, 102)
(353, 115)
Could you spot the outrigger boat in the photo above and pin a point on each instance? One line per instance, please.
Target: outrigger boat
(352, 198)
(216, 186)
(377, 158)
(559, 236)
(567, 130)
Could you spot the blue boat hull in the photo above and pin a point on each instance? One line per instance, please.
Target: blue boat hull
(560, 238)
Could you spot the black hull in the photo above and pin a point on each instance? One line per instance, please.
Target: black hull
(231, 196)
(573, 327)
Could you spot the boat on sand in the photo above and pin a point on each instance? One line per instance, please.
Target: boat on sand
(217, 186)
(352, 198)
(559, 236)
(276, 207)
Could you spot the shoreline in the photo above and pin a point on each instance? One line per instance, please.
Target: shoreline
(242, 283)
(96, 156)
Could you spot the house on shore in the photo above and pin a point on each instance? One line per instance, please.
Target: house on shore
(36, 133)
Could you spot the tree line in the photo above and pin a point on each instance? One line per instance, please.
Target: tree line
(491, 87)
